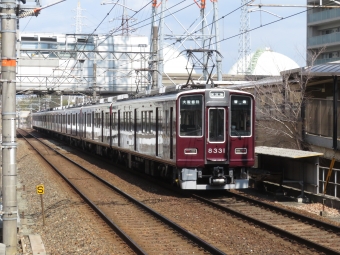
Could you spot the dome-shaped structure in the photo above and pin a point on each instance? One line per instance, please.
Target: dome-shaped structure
(266, 62)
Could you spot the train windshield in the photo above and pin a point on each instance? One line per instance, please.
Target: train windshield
(240, 116)
(191, 111)
(216, 125)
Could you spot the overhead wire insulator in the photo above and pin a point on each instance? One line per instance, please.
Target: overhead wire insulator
(34, 12)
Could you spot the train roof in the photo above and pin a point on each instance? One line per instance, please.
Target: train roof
(160, 94)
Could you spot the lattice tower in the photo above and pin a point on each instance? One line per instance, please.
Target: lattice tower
(79, 18)
(244, 41)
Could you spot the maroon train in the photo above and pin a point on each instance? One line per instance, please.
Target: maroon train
(198, 138)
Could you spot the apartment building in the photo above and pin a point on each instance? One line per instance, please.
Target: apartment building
(323, 32)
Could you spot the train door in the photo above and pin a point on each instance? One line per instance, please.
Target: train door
(85, 123)
(92, 124)
(157, 130)
(80, 121)
(102, 123)
(216, 145)
(135, 130)
(76, 123)
(190, 136)
(242, 141)
(111, 125)
(118, 128)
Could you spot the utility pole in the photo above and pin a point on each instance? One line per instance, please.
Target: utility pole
(161, 46)
(153, 48)
(9, 144)
(94, 82)
(217, 38)
(204, 24)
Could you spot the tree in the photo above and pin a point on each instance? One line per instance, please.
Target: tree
(280, 109)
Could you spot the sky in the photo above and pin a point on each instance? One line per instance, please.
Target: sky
(286, 34)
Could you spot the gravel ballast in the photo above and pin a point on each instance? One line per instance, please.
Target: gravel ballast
(69, 225)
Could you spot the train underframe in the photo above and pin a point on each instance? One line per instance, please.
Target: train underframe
(211, 177)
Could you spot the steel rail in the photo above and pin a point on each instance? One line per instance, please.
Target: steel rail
(178, 228)
(290, 213)
(134, 246)
(265, 225)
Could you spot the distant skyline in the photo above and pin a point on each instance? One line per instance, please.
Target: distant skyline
(287, 36)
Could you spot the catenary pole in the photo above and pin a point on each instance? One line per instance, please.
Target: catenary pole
(161, 46)
(9, 145)
(217, 38)
(204, 24)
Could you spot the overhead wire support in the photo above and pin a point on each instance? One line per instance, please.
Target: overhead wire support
(244, 40)
(36, 11)
(217, 38)
(79, 17)
(161, 45)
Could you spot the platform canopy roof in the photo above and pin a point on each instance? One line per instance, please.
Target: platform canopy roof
(285, 153)
(326, 70)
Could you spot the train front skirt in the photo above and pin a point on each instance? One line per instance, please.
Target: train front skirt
(188, 180)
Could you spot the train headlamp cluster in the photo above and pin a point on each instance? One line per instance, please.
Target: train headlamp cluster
(240, 102)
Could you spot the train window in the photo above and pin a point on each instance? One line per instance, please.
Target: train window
(150, 121)
(216, 125)
(191, 110)
(114, 125)
(73, 119)
(125, 121)
(241, 121)
(166, 122)
(88, 119)
(68, 119)
(144, 115)
(130, 121)
(107, 120)
(97, 119)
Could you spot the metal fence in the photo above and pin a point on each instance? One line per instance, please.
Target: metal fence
(332, 186)
(319, 117)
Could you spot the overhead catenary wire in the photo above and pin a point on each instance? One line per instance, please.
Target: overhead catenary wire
(75, 47)
(224, 16)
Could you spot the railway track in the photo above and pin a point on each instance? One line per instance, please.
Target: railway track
(143, 229)
(313, 233)
(267, 219)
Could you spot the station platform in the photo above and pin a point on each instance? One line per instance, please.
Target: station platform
(293, 168)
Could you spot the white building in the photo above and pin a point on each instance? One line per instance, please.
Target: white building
(266, 62)
(68, 63)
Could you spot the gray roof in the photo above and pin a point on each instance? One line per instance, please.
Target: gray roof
(285, 153)
(328, 69)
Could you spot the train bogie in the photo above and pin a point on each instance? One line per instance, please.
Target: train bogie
(199, 139)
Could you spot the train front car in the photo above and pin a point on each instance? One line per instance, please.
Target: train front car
(215, 139)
